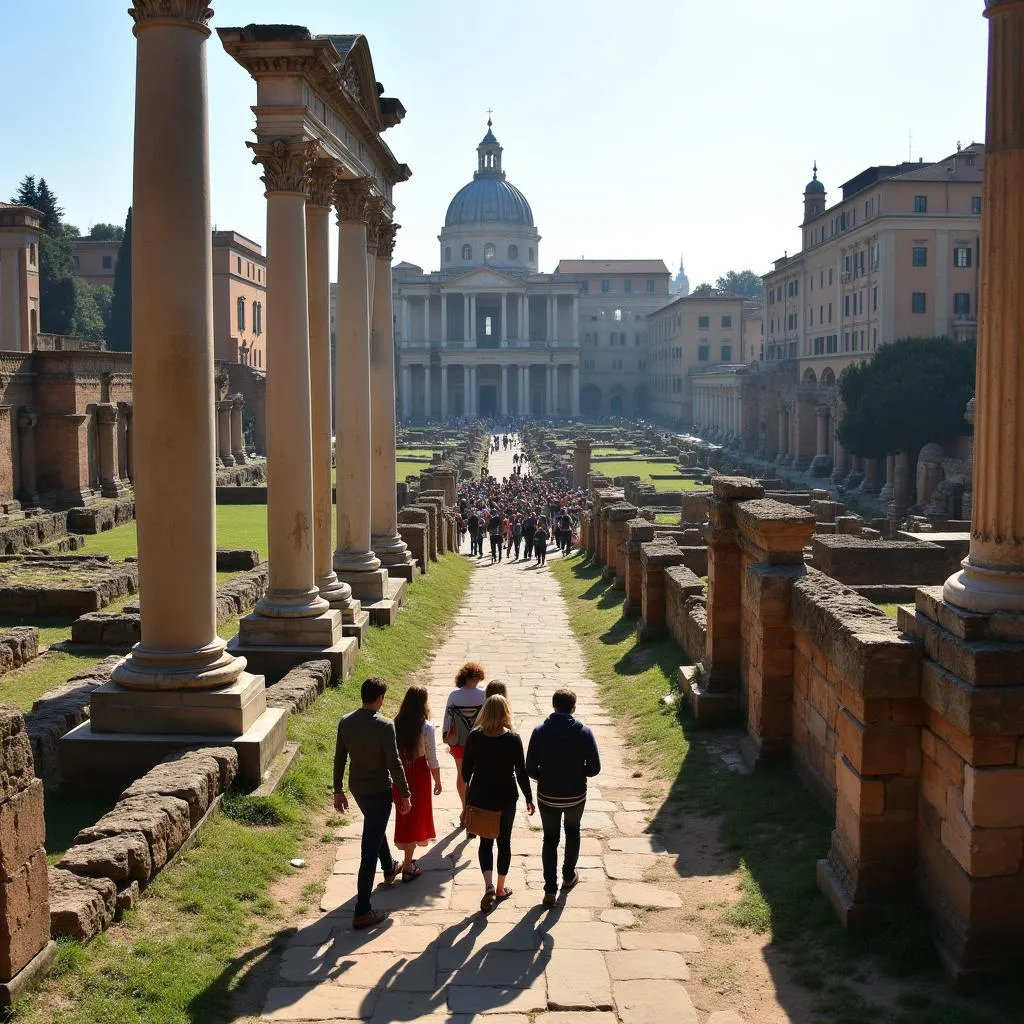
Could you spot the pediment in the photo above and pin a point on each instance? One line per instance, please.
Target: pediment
(484, 277)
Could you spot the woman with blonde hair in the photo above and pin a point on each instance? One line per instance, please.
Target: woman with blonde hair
(492, 766)
(417, 747)
(460, 711)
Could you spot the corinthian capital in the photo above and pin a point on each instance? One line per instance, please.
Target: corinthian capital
(196, 12)
(386, 239)
(352, 199)
(376, 209)
(320, 188)
(286, 163)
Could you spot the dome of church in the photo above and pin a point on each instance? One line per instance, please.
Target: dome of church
(489, 198)
(814, 185)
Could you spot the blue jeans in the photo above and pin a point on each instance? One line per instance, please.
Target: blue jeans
(376, 808)
(551, 820)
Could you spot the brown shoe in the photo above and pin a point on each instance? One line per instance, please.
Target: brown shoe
(571, 883)
(549, 899)
(361, 921)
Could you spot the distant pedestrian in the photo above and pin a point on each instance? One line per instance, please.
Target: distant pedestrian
(562, 755)
(368, 738)
(540, 542)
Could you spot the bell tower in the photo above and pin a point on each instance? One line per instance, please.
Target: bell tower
(814, 197)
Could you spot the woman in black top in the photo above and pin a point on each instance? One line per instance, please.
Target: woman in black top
(493, 763)
(540, 542)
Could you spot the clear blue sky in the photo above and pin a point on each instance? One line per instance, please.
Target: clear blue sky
(636, 129)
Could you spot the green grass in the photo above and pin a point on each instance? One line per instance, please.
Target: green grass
(608, 450)
(668, 518)
(203, 923)
(890, 607)
(52, 669)
(417, 453)
(404, 468)
(774, 829)
(646, 471)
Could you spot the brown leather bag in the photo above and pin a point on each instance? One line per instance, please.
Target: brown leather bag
(485, 824)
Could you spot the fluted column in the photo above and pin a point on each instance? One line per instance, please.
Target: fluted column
(444, 391)
(354, 560)
(406, 392)
(574, 388)
(503, 334)
(319, 197)
(444, 320)
(524, 390)
(237, 435)
(388, 546)
(172, 361)
(292, 594)
(426, 391)
(224, 432)
(992, 578)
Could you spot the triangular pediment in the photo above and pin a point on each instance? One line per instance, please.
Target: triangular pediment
(484, 277)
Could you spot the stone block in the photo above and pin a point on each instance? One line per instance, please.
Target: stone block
(22, 828)
(80, 907)
(16, 768)
(994, 797)
(24, 915)
(122, 858)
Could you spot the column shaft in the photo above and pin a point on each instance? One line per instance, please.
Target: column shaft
(504, 390)
(237, 434)
(224, 432)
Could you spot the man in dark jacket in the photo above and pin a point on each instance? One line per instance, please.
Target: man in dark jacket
(562, 756)
(473, 523)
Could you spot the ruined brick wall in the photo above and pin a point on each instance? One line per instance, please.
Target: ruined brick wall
(685, 614)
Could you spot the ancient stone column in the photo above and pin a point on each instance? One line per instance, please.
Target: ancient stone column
(237, 437)
(319, 197)
(354, 560)
(992, 578)
(172, 371)
(291, 612)
(27, 421)
(821, 464)
(841, 468)
(388, 546)
(886, 491)
(581, 462)
(783, 436)
(224, 432)
(870, 483)
(106, 450)
(124, 442)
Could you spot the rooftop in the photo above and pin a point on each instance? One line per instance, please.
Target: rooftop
(611, 267)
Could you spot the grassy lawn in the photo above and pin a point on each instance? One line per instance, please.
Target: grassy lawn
(668, 518)
(52, 669)
(646, 471)
(778, 832)
(610, 450)
(210, 919)
(890, 607)
(404, 468)
(415, 453)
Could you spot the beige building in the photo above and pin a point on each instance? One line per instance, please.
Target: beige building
(19, 276)
(96, 259)
(615, 300)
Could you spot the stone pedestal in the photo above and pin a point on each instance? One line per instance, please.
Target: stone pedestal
(639, 532)
(885, 492)
(581, 462)
(106, 449)
(619, 517)
(655, 557)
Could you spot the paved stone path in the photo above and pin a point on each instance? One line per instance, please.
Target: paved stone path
(438, 958)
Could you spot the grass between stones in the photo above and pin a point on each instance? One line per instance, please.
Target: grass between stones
(778, 832)
(210, 919)
(648, 473)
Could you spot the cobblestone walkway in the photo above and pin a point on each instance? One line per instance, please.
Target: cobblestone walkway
(438, 958)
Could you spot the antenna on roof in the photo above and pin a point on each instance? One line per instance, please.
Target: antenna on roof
(910, 145)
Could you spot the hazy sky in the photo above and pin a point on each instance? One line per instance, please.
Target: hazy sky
(636, 129)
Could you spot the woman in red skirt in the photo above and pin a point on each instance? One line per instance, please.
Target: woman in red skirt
(417, 747)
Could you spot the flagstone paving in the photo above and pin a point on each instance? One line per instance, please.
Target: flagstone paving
(438, 958)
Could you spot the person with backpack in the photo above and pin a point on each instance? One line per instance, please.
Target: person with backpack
(460, 713)
(529, 529)
(565, 532)
(561, 756)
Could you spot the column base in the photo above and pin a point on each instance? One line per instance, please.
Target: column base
(885, 493)
(275, 661)
(314, 632)
(337, 594)
(345, 563)
(240, 458)
(987, 591)
(92, 760)
(384, 612)
(710, 708)
(205, 669)
(27, 978)
(226, 460)
(367, 586)
(821, 465)
(114, 489)
(291, 605)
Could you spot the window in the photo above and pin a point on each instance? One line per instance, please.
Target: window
(531, 253)
(920, 204)
(791, 322)
(106, 262)
(238, 264)
(489, 251)
(702, 353)
(961, 257)
(819, 346)
(255, 318)
(703, 322)
(830, 275)
(606, 286)
(727, 353)
(727, 321)
(962, 303)
(976, 205)
(513, 252)
(874, 299)
(874, 256)
(846, 341)
(447, 254)
(920, 256)
(617, 316)
(32, 255)
(846, 305)
(467, 252)
(832, 343)
(487, 326)
(918, 303)
(240, 312)
(830, 312)
(584, 287)
(650, 286)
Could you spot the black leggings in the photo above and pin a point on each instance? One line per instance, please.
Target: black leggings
(508, 817)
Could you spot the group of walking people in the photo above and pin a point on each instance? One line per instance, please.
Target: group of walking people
(396, 764)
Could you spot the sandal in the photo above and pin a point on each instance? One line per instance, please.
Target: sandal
(412, 875)
(504, 896)
(487, 903)
(389, 879)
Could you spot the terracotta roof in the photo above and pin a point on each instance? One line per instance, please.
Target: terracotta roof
(611, 267)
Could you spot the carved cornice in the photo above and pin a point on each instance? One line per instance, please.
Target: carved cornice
(375, 222)
(195, 12)
(386, 240)
(286, 163)
(352, 199)
(320, 188)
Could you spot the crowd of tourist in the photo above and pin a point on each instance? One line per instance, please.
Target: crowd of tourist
(395, 764)
(518, 514)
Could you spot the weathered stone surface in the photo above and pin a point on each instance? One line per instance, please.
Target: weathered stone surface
(637, 964)
(18, 646)
(147, 815)
(22, 827)
(645, 1002)
(226, 761)
(121, 857)
(578, 980)
(677, 942)
(300, 687)
(16, 770)
(638, 894)
(80, 907)
(164, 780)
(24, 915)
(237, 559)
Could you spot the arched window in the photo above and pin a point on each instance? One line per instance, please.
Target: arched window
(513, 252)
(447, 254)
(618, 314)
(489, 251)
(240, 307)
(467, 252)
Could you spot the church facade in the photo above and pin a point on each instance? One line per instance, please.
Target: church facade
(488, 334)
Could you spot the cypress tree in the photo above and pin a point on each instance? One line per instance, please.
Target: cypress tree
(119, 338)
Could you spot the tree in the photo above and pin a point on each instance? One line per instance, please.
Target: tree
(702, 291)
(745, 283)
(119, 337)
(912, 392)
(107, 232)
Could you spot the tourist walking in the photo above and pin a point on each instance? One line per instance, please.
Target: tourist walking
(517, 535)
(494, 529)
(367, 738)
(492, 767)
(540, 542)
(472, 524)
(460, 713)
(417, 747)
(562, 755)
